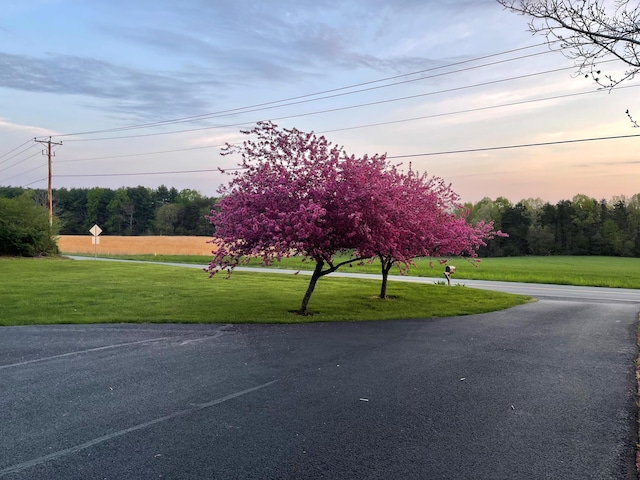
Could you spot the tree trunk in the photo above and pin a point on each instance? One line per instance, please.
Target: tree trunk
(387, 263)
(317, 273)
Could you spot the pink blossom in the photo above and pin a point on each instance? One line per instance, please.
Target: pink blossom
(297, 194)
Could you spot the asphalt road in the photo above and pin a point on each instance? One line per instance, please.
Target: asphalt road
(540, 391)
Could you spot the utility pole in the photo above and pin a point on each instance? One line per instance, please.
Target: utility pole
(49, 189)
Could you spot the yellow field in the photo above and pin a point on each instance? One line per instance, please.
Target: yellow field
(115, 245)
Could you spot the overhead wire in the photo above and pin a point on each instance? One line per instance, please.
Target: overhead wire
(24, 173)
(392, 157)
(23, 160)
(19, 153)
(35, 181)
(19, 162)
(275, 104)
(331, 110)
(390, 122)
(474, 110)
(250, 108)
(11, 151)
(508, 147)
(140, 154)
(175, 172)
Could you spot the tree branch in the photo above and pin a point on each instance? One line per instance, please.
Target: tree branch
(595, 34)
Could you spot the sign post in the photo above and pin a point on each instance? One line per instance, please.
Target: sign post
(95, 231)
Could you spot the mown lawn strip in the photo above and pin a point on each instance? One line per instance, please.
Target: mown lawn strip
(48, 291)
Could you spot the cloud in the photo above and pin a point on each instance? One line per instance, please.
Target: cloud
(282, 42)
(25, 129)
(129, 91)
(210, 51)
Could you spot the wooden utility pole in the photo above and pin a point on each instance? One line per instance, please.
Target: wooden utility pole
(49, 189)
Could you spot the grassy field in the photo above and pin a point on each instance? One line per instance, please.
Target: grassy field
(562, 270)
(49, 291)
(612, 272)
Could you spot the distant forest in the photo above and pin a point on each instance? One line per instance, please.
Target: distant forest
(580, 226)
(126, 211)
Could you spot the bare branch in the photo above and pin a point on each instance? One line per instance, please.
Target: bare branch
(588, 32)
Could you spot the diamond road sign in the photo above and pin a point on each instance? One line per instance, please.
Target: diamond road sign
(95, 230)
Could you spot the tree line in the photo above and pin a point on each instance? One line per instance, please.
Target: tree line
(580, 226)
(126, 211)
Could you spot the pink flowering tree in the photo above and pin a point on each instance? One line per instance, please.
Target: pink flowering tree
(413, 215)
(295, 195)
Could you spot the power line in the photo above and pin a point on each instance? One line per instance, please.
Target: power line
(473, 110)
(390, 122)
(397, 121)
(507, 147)
(24, 173)
(35, 181)
(275, 103)
(24, 160)
(176, 172)
(447, 152)
(11, 151)
(19, 161)
(245, 110)
(332, 110)
(15, 155)
(141, 154)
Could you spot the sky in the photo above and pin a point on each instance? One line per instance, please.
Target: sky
(146, 92)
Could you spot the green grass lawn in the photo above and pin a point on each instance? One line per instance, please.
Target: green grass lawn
(613, 272)
(49, 291)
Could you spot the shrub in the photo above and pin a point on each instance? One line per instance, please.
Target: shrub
(25, 229)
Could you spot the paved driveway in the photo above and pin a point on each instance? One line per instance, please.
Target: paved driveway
(540, 391)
